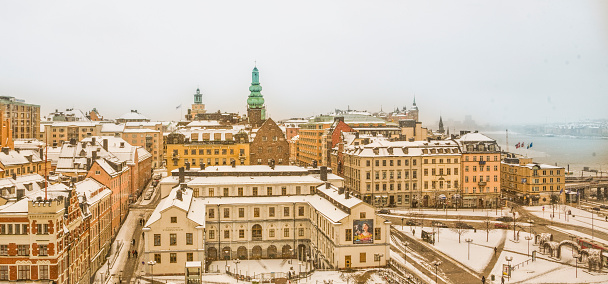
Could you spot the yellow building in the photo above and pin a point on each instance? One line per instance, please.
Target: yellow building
(480, 171)
(18, 163)
(193, 147)
(531, 183)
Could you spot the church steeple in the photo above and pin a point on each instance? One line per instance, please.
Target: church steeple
(441, 129)
(256, 111)
(255, 100)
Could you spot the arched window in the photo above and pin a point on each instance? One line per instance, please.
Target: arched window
(256, 232)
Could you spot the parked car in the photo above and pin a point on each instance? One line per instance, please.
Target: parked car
(462, 225)
(411, 222)
(384, 211)
(596, 208)
(604, 206)
(439, 224)
(505, 219)
(501, 225)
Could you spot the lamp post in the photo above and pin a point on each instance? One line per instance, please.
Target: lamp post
(436, 263)
(120, 277)
(469, 241)
(405, 244)
(576, 256)
(236, 272)
(528, 238)
(378, 257)
(509, 258)
(152, 263)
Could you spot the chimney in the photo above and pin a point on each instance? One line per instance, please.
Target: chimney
(323, 173)
(94, 157)
(105, 144)
(181, 175)
(20, 194)
(73, 141)
(178, 195)
(122, 144)
(93, 140)
(327, 185)
(187, 165)
(14, 176)
(347, 194)
(6, 150)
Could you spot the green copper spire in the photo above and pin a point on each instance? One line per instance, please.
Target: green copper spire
(198, 97)
(255, 99)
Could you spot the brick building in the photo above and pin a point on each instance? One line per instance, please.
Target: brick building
(269, 144)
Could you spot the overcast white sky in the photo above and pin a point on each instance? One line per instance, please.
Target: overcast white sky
(516, 61)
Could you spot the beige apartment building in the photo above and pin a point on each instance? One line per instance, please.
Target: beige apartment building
(480, 171)
(25, 118)
(254, 212)
(400, 173)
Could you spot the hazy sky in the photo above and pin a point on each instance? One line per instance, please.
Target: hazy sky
(500, 61)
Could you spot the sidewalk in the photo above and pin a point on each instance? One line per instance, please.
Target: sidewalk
(120, 263)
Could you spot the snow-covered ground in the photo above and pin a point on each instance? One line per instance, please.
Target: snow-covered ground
(317, 277)
(541, 270)
(452, 212)
(581, 217)
(481, 251)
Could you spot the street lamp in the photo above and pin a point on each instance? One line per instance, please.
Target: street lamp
(152, 263)
(509, 258)
(405, 244)
(236, 272)
(469, 241)
(576, 256)
(378, 257)
(436, 263)
(528, 238)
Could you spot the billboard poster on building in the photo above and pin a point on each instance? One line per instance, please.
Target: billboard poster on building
(363, 231)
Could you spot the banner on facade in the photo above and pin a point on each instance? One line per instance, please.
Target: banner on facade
(363, 231)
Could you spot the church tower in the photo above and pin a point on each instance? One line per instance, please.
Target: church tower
(197, 107)
(441, 129)
(256, 111)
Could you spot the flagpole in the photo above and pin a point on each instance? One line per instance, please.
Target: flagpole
(507, 132)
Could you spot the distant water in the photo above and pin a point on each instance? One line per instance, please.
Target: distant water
(578, 152)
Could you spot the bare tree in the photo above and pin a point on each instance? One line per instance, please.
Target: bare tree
(460, 227)
(487, 222)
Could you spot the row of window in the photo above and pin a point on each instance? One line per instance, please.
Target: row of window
(474, 178)
(23, 272)
(466, 168)
(173, 257)
(24, 250)
(255, 191)
(391, 163)
(256, 212)
(256, 233)
(466, 158)
(13, 229)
